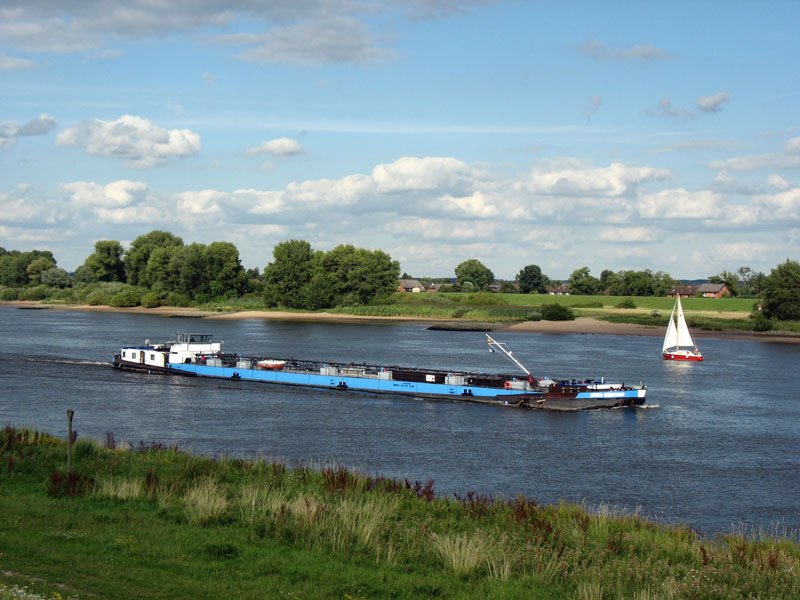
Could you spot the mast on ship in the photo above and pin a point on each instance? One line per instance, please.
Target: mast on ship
(505, 350)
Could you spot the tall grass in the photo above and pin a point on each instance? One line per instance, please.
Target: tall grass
(205, 502)
(463, 553)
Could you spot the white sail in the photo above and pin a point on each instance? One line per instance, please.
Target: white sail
(684, 337)
(671, 338)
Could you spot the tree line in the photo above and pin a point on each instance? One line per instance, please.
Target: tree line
(159, 268)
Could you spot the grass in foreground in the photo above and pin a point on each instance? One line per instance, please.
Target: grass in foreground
(157, 523)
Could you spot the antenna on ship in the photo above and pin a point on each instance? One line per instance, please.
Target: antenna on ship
(505, 350)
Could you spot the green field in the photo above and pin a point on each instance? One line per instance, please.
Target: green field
(154, 522)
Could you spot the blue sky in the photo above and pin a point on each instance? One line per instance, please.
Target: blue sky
(611, 135)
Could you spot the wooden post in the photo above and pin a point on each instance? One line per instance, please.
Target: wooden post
(70, 412)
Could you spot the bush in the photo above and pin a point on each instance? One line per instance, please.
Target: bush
(96, 298)
(533, 316)
(761, 323)
(557, 312)
(178, 299)
(151, 300)
(627, 303)
(40, 292)
(127, 297)
(9, 294)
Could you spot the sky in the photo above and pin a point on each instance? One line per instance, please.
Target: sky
(610, 135)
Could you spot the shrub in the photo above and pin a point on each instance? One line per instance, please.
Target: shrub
(151, 300)
(761, 323)
(533, 316)
(128, 297)
(627, 303)
(9, 294)
(178, 299)
(40, 292)
(557, 312)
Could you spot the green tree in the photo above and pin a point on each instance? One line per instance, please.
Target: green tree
(474, 272)
(359, 276)
(782, 292)
(38, 266)
(55, 277)
(581, 282)
(750, 282)
(729, 279)
(532, 280)
(105, 263)
(226, 276)
(286, 277)
(189, 265)
(137, 256)
(158, 275)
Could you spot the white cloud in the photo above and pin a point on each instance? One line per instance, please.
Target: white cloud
(204, 202)
(415, 174)
(134, 139)
(149, 215)
(713, 103)
(329, 192)
(278, 147)
(12, 63)
(476, 204)
(600, 51)
(783, 206)
(613, 181)
(116, 194)
(331, 40)
(665, 109)
(9, 132)
(443, 230)
(777, 182)
(630, 235)
(681, 204)
(738, 251)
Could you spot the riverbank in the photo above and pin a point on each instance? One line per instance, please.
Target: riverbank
(581, 325)
(128, 523)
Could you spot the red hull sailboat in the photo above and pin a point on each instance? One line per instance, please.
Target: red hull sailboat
(678, 342)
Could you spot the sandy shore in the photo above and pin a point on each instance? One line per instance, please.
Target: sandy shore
(581, 325)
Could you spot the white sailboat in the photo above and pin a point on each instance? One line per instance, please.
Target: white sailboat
(678, 342)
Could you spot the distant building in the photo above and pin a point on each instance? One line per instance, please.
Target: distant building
(561, 289)
(410, 285)
(683, 290)
(713, 290)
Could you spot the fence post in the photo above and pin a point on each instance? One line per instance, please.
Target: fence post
(70, 412)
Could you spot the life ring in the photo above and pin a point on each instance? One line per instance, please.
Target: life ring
(507, 385)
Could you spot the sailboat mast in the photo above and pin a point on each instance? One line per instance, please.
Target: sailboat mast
(505, 350)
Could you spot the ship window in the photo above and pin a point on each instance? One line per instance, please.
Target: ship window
(123, 354)
(133, 354)
(152, 357)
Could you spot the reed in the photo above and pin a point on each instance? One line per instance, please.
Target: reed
(205, 502)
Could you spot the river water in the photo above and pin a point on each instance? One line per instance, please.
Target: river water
(717, 447)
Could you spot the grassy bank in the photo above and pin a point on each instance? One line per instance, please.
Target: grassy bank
(153, 522)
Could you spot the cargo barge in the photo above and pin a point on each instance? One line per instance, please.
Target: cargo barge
(198, 355)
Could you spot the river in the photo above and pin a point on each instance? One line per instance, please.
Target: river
(716, 447)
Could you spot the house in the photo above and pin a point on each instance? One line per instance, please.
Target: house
(561, 289)
(713, 290)
(683, 290)
(410, 285)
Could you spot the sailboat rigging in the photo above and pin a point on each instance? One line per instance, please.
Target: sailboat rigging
(678, 342)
